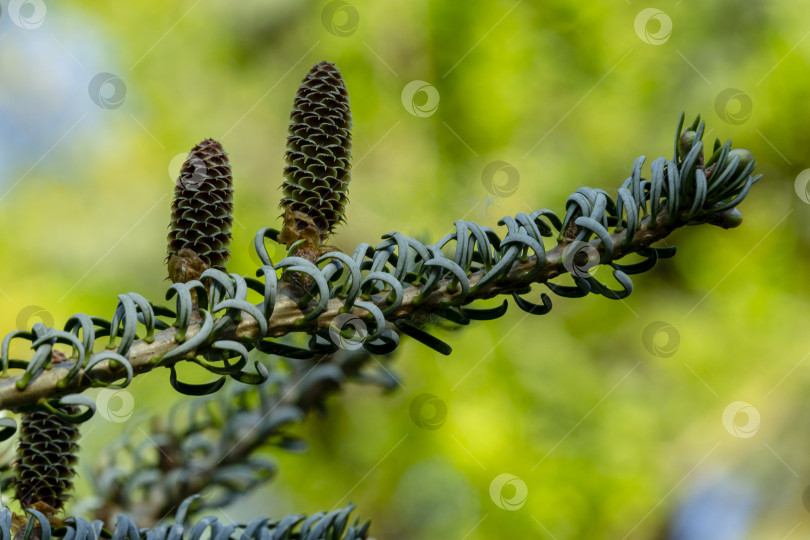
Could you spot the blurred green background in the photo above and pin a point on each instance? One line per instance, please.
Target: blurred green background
(612, 435)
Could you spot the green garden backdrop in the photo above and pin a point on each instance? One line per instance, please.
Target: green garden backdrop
(606, 431)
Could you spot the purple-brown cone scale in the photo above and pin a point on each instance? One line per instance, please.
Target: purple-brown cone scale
(200, 229)
(46, 457)
(318, 157)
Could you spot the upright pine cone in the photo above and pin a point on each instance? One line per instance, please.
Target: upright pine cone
(319, 147)
(201, 213)
(46, 456)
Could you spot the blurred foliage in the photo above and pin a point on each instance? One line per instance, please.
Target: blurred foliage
(611, 440)
(333, 525)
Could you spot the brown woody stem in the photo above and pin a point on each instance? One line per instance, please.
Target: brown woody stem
(287, 314)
